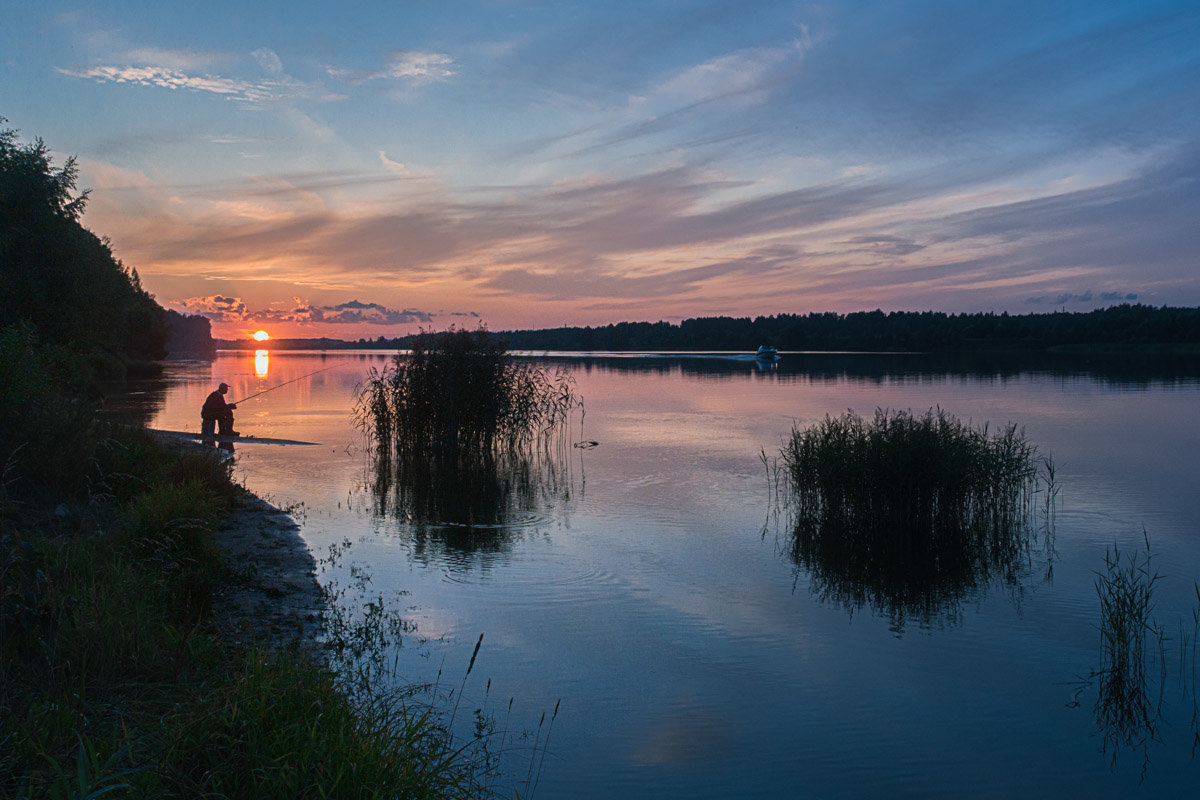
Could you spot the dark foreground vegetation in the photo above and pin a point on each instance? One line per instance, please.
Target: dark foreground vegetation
(113, 676)
(908, 514)
(113, 681)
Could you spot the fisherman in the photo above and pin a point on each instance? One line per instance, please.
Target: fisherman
(216, 412)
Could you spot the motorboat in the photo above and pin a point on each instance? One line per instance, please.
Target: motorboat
(767, 353)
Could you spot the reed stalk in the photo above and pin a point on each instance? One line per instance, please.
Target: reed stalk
(1126, 709)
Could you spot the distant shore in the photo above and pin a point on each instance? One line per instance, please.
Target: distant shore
(1125, 328)
(1115, 349)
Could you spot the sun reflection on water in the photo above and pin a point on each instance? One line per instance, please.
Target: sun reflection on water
(261, 363)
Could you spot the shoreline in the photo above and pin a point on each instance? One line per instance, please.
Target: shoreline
(273, 596)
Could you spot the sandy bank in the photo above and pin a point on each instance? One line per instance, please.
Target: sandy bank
(275, 595)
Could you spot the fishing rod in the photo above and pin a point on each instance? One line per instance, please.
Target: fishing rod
(285, 383)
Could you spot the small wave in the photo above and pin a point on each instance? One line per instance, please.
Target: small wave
(524, 519)
(534, 579)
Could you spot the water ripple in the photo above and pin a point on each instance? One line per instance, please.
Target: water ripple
(547, 575)
(522, 519)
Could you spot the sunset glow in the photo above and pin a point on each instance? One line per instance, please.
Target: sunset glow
(531, 165)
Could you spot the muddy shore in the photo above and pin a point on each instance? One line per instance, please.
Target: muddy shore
(274, 596)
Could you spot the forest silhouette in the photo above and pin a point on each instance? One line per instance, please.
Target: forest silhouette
(61, 280)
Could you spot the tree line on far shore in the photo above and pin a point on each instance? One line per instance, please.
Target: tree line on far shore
(876, 330)
(1132, 327)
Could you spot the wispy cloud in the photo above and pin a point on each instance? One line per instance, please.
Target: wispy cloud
(185, 60)
(269, 60)
(697, 239)
(189, 70)
(354, 312)
(1087, 297)
(745, 75)
(414, 68)
(249, 92)
(418, 67)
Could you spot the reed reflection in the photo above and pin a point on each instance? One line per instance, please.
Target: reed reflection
(908, 516)
(1129, 700)
(474, 506)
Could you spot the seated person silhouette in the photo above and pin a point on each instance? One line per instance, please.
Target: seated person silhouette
(218, 414)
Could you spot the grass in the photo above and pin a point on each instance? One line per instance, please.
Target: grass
(1126, 593)
(1132, 678)
(909, 513)
(459, 397)
(283, 727)
(1127, 708)
(114, 683)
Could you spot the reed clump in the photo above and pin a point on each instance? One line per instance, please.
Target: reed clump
(908, 512)
(459, 396)
(1127, 708)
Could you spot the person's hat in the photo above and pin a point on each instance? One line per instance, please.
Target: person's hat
(223, 386)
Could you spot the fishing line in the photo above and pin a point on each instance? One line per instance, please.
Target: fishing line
(273, 388)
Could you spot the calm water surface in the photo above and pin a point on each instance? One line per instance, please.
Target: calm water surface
(644, 583)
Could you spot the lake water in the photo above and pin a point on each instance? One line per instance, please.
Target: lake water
(645, 583)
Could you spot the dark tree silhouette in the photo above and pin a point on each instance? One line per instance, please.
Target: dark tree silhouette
(59, 277)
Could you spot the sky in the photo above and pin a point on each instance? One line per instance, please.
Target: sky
(366, 169)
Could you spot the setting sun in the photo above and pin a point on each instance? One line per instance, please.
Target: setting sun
(261, 336)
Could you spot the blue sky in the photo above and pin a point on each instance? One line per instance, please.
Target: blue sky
(365, 168)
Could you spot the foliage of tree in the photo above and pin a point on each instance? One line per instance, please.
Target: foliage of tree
(61, 278)
(190, 334)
